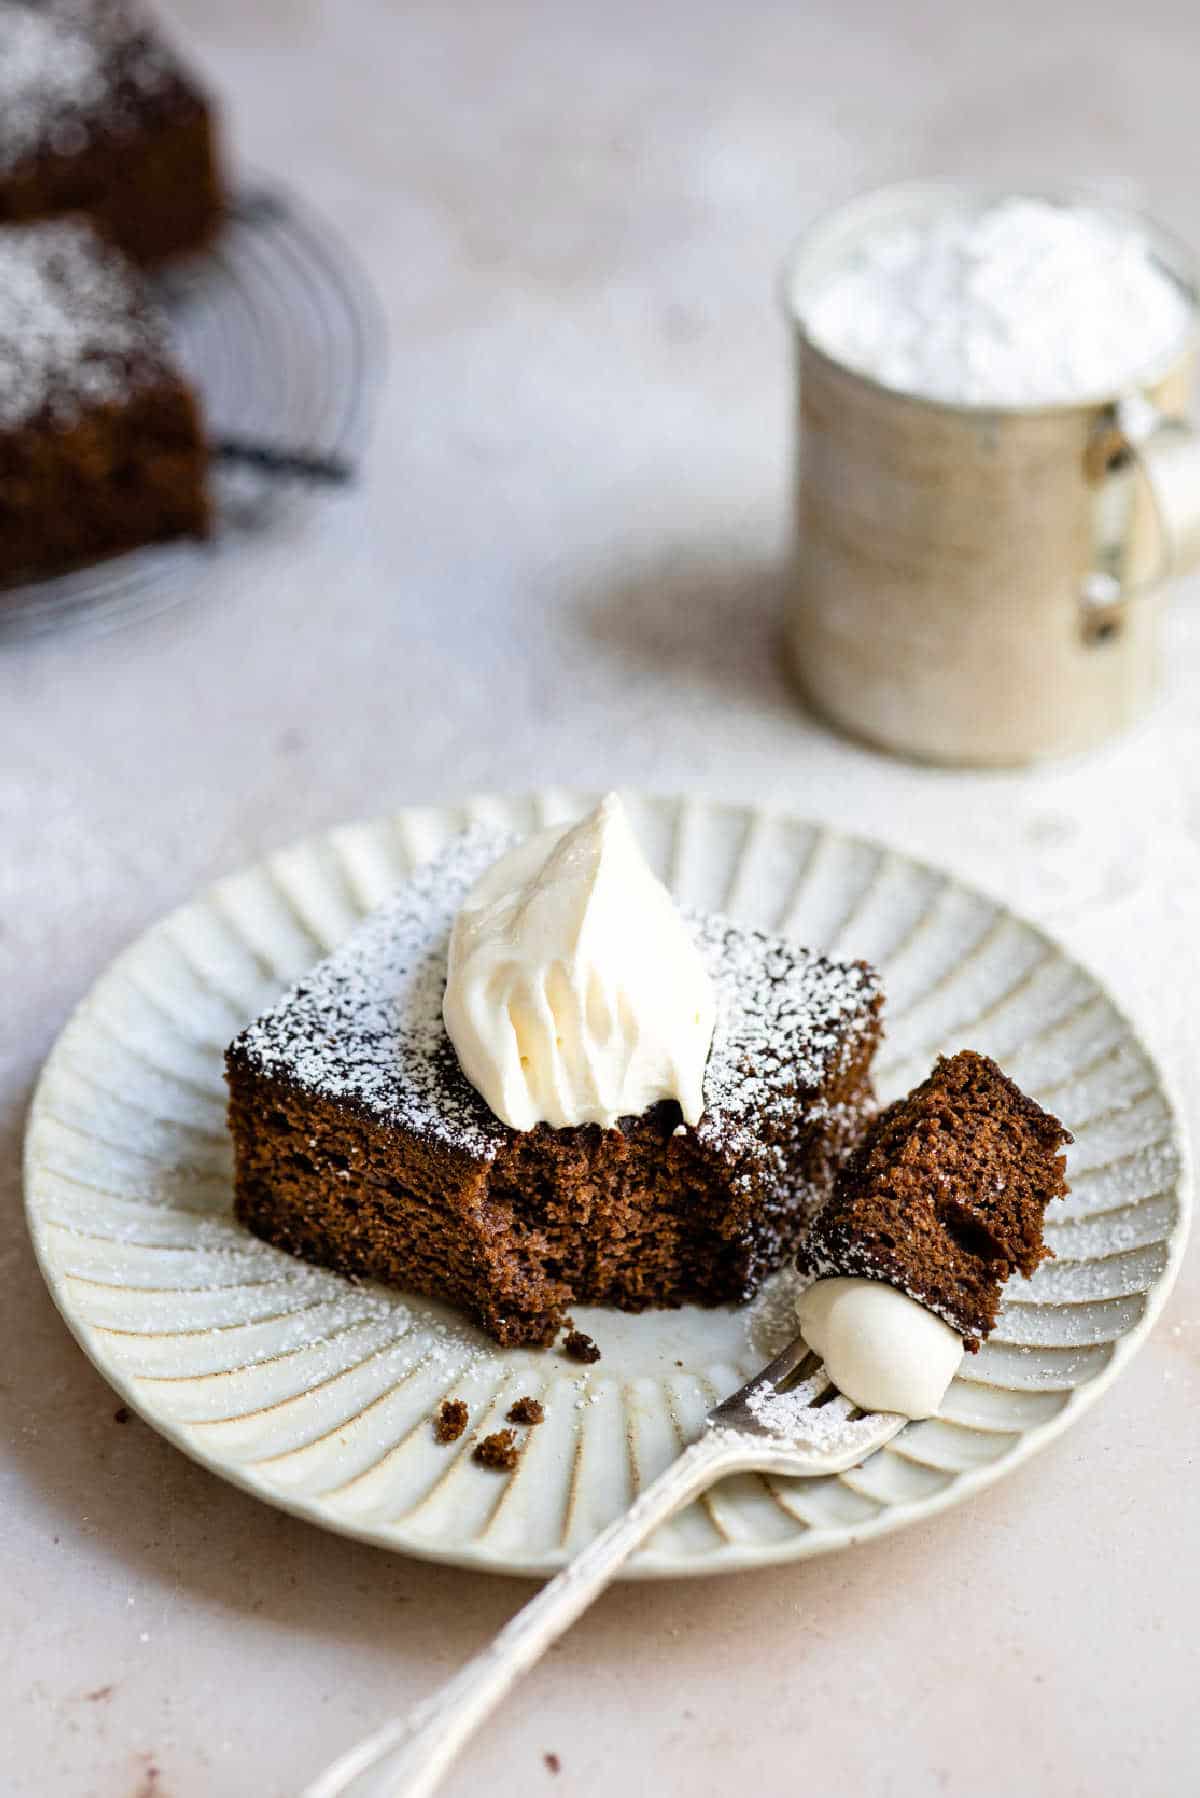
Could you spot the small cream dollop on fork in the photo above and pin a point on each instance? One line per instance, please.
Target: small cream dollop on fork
(789, 1419)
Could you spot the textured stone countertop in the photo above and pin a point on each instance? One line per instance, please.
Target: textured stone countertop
(560, 568)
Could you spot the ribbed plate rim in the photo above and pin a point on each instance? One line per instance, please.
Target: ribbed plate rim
(731, 1558)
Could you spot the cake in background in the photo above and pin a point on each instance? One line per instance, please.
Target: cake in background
(97, 115)
(101, 441)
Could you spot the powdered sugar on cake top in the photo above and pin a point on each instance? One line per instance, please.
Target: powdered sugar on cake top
(75, 330)
(365, 1027)
(47, 68)
(68, 67)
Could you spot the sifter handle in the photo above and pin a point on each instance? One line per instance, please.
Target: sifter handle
(1167, 451)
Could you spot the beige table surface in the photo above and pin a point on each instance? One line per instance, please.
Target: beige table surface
(560, 568)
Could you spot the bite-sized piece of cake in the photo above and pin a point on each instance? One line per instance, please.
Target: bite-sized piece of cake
(97, 116)
(361, 1145)
(101, 443)
(944, 1197)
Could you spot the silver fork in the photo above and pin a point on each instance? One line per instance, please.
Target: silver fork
(825, 1434)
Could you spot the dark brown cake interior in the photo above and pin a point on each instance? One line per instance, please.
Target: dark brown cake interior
(946, 1194)
(633, 1217)
(361, 1146)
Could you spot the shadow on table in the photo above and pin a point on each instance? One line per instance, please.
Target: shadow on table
(706, 619)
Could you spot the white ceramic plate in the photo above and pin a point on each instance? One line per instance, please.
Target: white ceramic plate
(315, 1393)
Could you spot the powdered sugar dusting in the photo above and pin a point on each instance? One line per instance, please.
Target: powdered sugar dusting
(792, 1415)
(75, 328)
(1023, 303)
(366, 1027)
(47, 65)
(67, 68)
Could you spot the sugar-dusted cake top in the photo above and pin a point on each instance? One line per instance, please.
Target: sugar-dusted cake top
(76, 326)
(72, 68)
(365, 1027)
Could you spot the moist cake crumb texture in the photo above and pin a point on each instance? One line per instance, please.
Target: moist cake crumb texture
(361, 1145)
(450, 1420)
(499, 1451)
(581, 1347)
(527, 1410)
(946, 1194)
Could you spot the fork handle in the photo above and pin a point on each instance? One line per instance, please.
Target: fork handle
(407, 1757)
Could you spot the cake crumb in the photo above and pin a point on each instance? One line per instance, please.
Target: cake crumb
(450, 1420)
(580, 1347)
(553, 1764)
(527, 1410)
(499, 1451)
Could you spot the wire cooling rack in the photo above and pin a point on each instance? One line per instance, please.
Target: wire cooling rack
(280, 332)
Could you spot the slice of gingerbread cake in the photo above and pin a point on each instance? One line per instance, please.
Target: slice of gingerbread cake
(945, 1196)
(101, 441)
(97, 115)
(361, 1145)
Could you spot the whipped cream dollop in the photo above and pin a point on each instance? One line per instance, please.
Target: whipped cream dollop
(880, 1348)
(575, 993)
